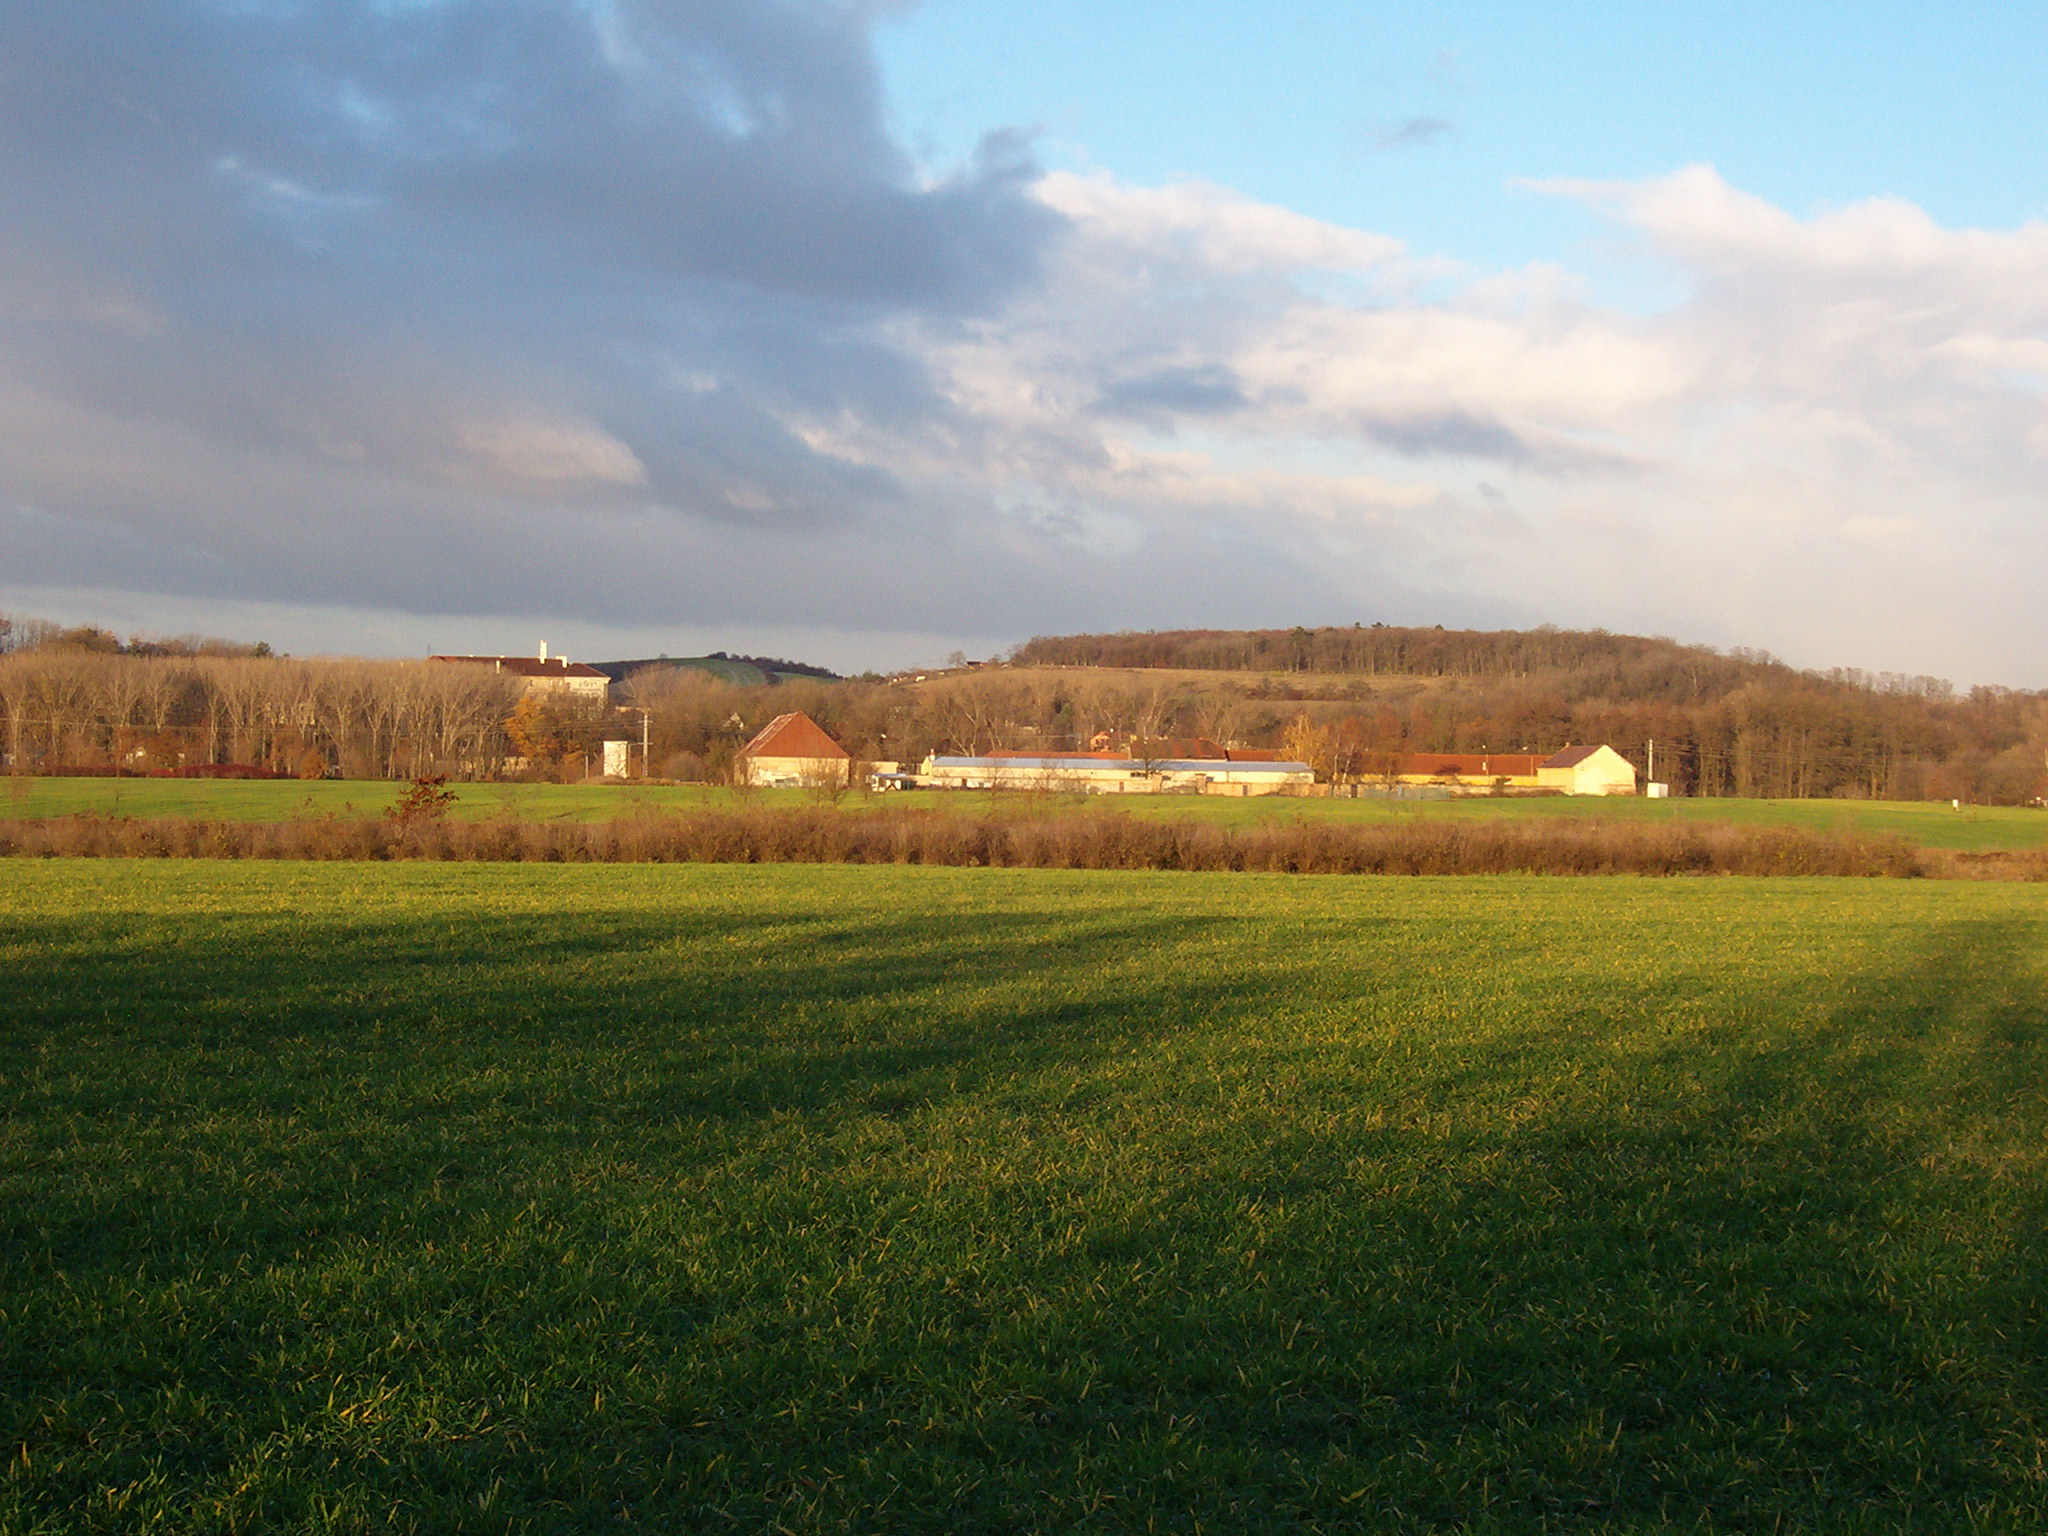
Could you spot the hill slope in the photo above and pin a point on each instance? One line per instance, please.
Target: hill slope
(743, 671)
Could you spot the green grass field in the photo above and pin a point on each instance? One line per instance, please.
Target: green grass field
(799, 1198)
(1927, 824)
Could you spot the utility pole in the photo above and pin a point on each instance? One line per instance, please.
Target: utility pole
(646, 768)
(1653, 760)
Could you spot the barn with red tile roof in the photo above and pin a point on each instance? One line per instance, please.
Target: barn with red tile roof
(793, 749)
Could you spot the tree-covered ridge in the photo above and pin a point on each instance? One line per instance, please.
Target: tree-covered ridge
(1733, 723)
(1637, 666)
(747, 671)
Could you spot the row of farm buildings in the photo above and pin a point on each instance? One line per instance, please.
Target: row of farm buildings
(793, 749)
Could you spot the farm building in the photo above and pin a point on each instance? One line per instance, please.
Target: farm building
(1102, 773)
(1574, 771)
(1469, 770)
(544, 673)
(792, 750)
(1589, 771)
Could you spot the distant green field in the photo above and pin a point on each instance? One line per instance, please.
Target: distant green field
(1927, 824)
(800, 1198)
(283, 799)
(1923, 823)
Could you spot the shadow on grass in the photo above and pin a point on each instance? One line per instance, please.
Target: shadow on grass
(688, 1277)
(1811, 1298)
(404, 1057)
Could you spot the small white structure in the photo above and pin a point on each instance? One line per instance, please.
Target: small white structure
(618, 759)
(1101, 775)
(1588, 771)
(793, 751)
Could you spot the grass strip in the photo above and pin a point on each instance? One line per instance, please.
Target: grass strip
(1970, 828)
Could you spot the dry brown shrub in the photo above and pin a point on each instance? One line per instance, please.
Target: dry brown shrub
(818, 834)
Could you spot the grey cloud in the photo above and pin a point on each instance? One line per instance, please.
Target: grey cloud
(1205, 391)
(1412, 130)
(734, 141)
(1449, 434)
(314, 253)
(465, 556)
(1467, 435)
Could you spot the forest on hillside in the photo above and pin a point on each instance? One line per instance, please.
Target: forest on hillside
(1722, 723)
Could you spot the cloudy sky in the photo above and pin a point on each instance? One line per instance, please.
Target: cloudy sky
(862, 332)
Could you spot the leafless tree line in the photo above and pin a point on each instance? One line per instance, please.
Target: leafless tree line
(68, 709)
(696, 721)
(80, 710)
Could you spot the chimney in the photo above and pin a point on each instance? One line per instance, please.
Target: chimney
(543, 653)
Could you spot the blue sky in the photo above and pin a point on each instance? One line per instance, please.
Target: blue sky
(860, 332)
(1304, 103)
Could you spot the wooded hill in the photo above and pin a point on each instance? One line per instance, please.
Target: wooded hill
(1724, 723)
(746, 671)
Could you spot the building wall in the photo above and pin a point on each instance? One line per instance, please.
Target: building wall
(576, 687)
(795, 772)
(1113, 777)
(1471, 783)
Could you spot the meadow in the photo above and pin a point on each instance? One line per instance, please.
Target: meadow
(371, 1197)
(1925, 824)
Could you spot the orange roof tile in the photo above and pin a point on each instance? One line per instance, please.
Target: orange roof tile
(1473, 765)
(793, 735)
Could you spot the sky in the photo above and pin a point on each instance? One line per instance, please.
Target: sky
(861, 333)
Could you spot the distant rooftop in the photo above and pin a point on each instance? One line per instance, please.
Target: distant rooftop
(527, 666)
(795, 735)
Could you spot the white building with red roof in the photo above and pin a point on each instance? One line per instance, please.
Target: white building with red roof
(793, 750)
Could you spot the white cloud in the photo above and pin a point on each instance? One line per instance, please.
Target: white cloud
(1215, 230)
(1832, 446)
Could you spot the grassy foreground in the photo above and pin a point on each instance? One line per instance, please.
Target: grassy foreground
(1926, 824)
(374, 1197)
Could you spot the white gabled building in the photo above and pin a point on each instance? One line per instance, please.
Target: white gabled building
(793, 751)
(1588, 771)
